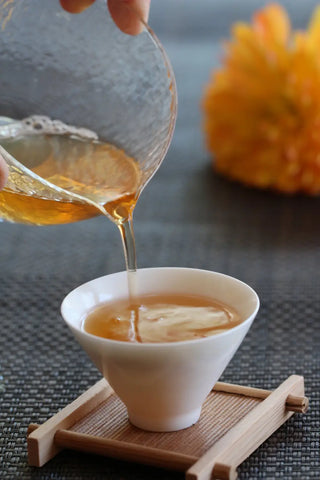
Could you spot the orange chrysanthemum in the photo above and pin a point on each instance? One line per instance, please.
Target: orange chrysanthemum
(262, 107)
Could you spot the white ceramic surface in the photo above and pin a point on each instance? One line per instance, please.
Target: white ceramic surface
(163, 385)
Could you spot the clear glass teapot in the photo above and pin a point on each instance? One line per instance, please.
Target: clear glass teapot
(86, 112)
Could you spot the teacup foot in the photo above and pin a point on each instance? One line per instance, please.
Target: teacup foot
(166, 424)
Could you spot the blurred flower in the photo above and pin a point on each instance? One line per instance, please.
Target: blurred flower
(262, 107)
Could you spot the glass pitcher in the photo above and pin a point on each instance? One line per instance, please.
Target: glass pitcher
(107, 97)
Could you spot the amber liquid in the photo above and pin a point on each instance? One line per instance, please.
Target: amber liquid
(100, 174)
(95, 177)
(161, 318)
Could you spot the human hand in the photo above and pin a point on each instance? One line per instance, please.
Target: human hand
(125, 20)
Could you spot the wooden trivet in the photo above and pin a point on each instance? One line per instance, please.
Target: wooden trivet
(234, 421)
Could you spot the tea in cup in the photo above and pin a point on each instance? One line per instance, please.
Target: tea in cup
(164, 380)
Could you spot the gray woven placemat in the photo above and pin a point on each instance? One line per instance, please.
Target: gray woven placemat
(43, 369)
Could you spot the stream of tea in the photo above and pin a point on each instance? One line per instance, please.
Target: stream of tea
(71, 176)
(77, 177)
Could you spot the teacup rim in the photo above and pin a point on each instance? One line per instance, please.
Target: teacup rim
(153, 345)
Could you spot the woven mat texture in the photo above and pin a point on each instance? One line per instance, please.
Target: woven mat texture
(187, 217)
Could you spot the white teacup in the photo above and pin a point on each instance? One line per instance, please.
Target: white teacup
(163, 385)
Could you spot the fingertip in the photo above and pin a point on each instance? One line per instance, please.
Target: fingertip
(75, 6)
(129, 15)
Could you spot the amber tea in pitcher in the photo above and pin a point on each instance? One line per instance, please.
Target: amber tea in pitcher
(97, 173)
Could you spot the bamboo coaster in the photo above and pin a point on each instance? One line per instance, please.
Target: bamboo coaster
(234, 421)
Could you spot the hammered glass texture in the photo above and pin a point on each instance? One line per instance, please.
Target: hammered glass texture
(82, 70)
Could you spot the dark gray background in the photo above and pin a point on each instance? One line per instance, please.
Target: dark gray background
(187, 216)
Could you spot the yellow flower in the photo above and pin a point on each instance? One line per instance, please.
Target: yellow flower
(262, 107)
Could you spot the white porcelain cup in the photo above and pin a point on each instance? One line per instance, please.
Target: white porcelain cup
(163, 385)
